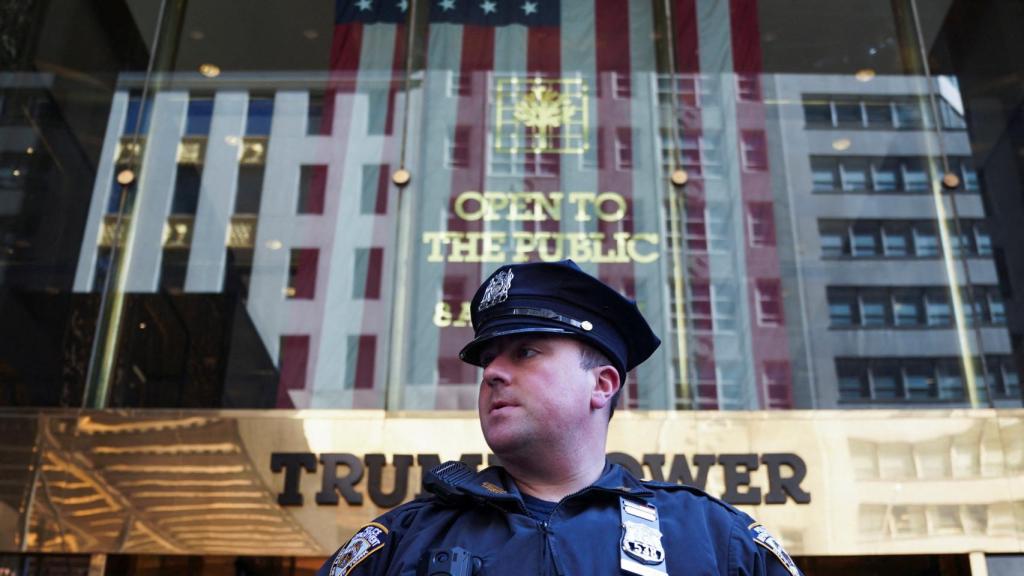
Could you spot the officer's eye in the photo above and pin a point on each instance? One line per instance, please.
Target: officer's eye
(526, 352)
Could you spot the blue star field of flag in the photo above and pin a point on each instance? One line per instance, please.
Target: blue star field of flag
(467, 12)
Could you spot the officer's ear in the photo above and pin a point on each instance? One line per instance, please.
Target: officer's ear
(606, 385)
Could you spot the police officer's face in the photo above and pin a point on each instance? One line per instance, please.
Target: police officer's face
(534, 389)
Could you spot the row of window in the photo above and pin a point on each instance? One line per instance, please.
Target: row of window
(935, 379)
(910, 307)
(899, 239)
(690, 90)
(884, 174)
(199, 115)
(713, 305)
(910, 112)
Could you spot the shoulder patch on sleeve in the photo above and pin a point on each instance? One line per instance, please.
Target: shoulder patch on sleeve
(368, 539)
(760, 535)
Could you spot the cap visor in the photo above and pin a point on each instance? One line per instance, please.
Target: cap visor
(470, 353)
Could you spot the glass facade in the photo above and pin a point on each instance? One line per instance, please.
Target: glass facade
(202, 210)
(280, 205)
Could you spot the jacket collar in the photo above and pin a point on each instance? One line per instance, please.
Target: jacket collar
(494, 484)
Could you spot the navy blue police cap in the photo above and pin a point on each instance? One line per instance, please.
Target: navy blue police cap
(559, 298)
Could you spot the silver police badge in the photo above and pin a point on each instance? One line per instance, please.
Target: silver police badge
(642, 543)
(497, 290)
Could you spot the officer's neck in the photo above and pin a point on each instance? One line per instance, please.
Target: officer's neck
(554, 478)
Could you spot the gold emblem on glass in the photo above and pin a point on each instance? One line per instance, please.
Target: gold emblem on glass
(191, 151)
(253, 151)
(541, 115)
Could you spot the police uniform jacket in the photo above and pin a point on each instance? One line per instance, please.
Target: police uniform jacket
(485, 514)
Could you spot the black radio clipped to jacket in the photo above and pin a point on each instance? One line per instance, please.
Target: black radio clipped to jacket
(450, 562)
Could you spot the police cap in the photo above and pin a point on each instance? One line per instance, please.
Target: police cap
(559, 298)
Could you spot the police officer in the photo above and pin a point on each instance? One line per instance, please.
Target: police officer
(555, 345)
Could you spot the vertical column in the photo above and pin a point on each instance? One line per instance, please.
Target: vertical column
(217, 194)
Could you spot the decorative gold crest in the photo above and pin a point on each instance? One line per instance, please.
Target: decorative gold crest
(129, 151)
(191, 150)
(541, 115)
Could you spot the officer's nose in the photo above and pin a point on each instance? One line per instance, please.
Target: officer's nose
(497, 371)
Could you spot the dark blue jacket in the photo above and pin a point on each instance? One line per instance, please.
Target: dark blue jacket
(485, 514)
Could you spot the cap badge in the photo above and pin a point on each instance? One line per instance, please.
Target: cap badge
(497, 290)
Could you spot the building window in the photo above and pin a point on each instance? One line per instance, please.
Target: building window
(883, 174)
(760, 224)
(864, 240)
(748, 87)
(910, 115)
(937, 309)
(754, 150)
(777, 383)
(250, 189)
(950, 380)
(854, 173)
(695, 228)
(842, 308)
(317, 120)
(187, 184)
(700, 306)
(996, 308)
(622, 87)
(879, 114)
(623, 149)
(915, 175)
(711, 157)
(769, 303)
(835, 239)
(718, 227)
(368, 268)
(259, 115)
(926, 242)
(853, 380)
(848, 114)
(373, 198)
(885, 381)
(883, 112)
(917, 380)
(982, 240)
(312, 188)
(824, 174)
(134, 120)
(818, 113)
(906, 306)
(199, 115)
(457, 148)
(951, 119)
(459, 84)
(302, 267)
(360, 359)
(874, 308)
(294, 359)
(723, 300)
(378, 103)
(895, 240)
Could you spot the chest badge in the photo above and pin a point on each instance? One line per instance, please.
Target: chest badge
(642, 551)
(642, 543)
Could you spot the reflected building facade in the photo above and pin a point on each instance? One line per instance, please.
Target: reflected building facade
(236, 264)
